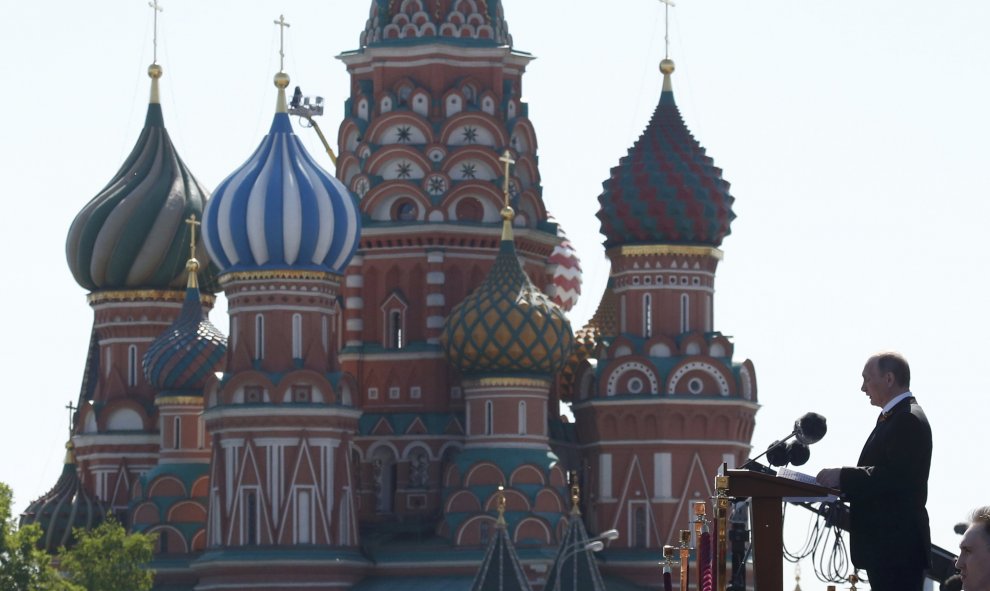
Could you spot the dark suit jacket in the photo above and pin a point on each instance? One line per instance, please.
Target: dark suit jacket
(887, 492)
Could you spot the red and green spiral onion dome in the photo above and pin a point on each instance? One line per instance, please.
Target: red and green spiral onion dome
(666, 190)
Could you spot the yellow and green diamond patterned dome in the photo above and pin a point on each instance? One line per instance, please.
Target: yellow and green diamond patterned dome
(507, 325)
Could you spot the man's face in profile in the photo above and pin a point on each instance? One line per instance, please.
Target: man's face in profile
(974, 558)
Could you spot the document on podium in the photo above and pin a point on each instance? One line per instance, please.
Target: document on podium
(807, 479)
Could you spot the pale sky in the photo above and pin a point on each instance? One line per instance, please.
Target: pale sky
(853, 134)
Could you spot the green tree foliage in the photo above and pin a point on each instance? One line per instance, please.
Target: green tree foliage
(23, 566)
(109, 559)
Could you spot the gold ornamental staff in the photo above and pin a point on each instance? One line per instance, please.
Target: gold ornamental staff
(685, 558)
(719, 578)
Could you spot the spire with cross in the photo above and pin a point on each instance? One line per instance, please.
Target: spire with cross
(500, 505)
(507, 160)
(667, 5)
(507, 213)
(192, 223)
(72, 415)
(192, 266)
(154, 40)
(282, 25)
(154, 70)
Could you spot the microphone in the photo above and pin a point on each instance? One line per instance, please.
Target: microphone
(798, 453)
(792, 452)
(808, 429)
(953, 583)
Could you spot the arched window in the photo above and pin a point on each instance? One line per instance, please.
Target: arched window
(685, 312)
(638, 525)
(250, 509)
(647, 316)
(259, 337)
(304, 516)
(326, 333)
(522, 417)
(297, 336)
(489, 418)
(395, 336)
(383, 467)
(132, 371)
(233, 333)
(176, 433)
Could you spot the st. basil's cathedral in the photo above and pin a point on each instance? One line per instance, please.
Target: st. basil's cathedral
(387, 410)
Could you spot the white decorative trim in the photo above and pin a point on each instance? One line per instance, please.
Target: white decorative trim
(617, 373)
(703, 367)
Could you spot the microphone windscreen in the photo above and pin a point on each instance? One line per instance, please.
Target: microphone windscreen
(953, 583)
(810, 428)
(777, 454)
(798, 453)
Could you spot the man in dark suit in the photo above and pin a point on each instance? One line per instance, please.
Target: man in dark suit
(888, 488)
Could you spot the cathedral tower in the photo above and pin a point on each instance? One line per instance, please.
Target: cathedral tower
(660, 403)
(128, 246)
(170, 500)
(507, 339)
(436, 91)
(281, 230)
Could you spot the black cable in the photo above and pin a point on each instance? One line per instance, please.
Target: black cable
(827, 548)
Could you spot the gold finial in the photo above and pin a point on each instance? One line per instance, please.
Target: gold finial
(500, 500)
(667, 64)
(281, 79)
(70, 453)
(667, 68)
(575, 493)
(154, 70)
(507, 213)
(853, 579)
(668, 558)
(192, 266)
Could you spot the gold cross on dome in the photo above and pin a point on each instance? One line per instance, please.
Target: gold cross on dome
(508, 161)
(154, 40)
(72, 410)
(281, 41)
(667, 5)
(500, 504)
(191, 221)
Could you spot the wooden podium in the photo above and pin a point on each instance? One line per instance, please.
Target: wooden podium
(767, 493)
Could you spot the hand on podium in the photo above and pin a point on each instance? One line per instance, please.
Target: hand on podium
(829, 477)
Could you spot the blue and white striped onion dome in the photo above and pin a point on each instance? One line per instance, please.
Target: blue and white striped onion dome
(281, 210)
